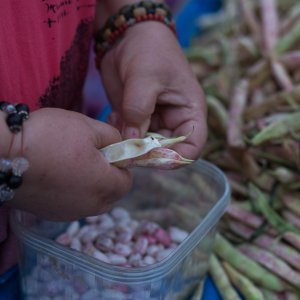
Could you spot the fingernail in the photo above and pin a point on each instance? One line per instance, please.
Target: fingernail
(131, 133)
(113, 118)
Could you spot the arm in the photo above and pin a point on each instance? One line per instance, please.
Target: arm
(67, 178)
(151, 86)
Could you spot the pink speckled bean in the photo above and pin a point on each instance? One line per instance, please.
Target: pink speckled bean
(64, 239)
(148, 227)
(120, 213)
(123, 223)
(89, 236)
(73, 228)
(177, 235)
(163, 237)
(141, 245)
(149, 260)
(160, 247)
(135, 260)
(151, 240)
(152, 250)
(133, 225)
(75, 244)
(92, 219)
(125, 236)
(88, 248)
(122, 249)
(106, 221)
(120, 229)
(116, 259)
(83, 230)
(104, 243)
(111, 233)
(101, 256)
(163, 254)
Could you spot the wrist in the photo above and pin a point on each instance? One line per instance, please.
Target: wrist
(5, 135)
(107, 8)
(126, 17)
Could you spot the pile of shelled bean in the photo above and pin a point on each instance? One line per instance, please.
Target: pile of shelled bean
(118, 239)
(114, 238)
(248, 62)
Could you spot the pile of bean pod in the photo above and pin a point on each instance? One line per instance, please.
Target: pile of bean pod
(248, 62)
(118, 239)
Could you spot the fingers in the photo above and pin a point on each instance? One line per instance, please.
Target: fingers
(191, 147)
(111, 184)
(119, 182)
(188, 117)
(104, 134)
(139, 101)
(114, 119)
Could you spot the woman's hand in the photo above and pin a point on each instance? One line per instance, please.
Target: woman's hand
(68, 178)
(151, 87)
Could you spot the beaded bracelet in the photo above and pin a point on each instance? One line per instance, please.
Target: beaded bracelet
(16, 114)
(11, 171)
(128, 16)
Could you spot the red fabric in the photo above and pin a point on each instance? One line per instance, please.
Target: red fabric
(44, 47)
(36, 38)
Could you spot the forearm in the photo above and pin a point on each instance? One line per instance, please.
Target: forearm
(107, 8)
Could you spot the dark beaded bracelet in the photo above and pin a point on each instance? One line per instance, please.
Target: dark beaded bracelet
(14, 181)
(16, 114)
(3, 177)
(11, 170)
(23, 110)
(14, 121)
(127, 16)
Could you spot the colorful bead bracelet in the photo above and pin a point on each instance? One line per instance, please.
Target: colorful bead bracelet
(128, 16)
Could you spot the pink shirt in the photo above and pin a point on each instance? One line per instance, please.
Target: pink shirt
(44, 47)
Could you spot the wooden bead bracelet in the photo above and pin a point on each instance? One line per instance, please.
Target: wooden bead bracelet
(128, 16)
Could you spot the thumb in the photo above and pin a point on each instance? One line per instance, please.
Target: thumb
(138, 104)
(104, 134)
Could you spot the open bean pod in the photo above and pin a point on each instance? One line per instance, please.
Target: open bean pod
(150, 151)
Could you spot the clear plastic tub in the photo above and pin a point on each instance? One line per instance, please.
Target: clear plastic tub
(193, 198)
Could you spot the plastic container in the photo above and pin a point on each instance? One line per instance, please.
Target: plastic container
(193, 198)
